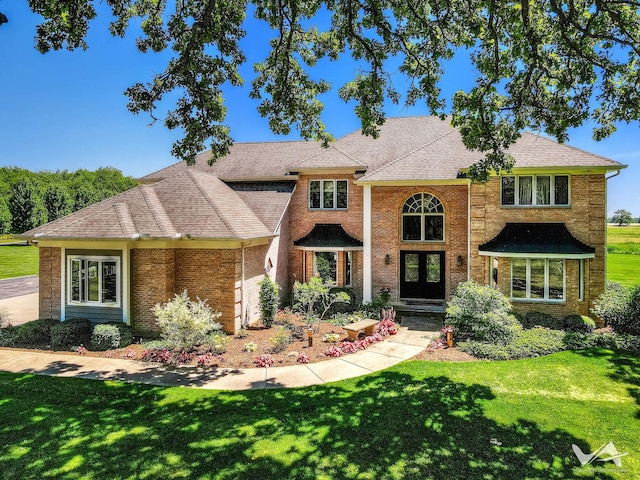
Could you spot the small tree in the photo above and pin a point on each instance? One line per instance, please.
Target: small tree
(622, 217)
(185, 324)
(269, 300)
(315, 298)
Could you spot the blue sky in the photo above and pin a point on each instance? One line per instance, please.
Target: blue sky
(66, 110)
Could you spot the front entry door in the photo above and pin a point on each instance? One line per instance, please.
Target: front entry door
(422, 275)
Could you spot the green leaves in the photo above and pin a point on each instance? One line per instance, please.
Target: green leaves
(546, 66)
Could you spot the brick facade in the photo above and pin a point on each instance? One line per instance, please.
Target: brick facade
(585, 218)
(302, 220)
(386, 228)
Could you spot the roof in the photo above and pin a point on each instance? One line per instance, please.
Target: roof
(329, 236)
(192, 204)
(536, 239)
(408, 149)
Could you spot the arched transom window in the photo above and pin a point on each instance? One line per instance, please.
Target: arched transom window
(423, 219)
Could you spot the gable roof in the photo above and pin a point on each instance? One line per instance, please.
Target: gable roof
(193, 204)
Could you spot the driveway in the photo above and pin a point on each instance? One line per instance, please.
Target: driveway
(19, 299)
(18, 286)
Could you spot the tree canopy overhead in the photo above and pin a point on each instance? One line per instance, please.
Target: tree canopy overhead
(546, 65)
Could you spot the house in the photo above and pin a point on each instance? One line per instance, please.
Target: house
(397, 212)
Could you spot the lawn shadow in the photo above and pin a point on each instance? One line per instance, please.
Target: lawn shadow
(392, 424)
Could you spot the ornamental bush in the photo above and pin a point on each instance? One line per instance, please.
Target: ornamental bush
(269, 300)
(37, 332)
(126, 333)
(540, 319)
(579, 323)
(619, 307)
(72, 332)
(105, 337)
(184, 323)
(534, 342)
(481, 313)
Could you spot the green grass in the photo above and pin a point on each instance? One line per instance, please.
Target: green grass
(418, 420)
(626, 234)
(624, 269)
(17, 261)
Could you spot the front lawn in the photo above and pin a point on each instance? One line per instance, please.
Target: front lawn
(420, 419)
(18, 261)
(624, 269)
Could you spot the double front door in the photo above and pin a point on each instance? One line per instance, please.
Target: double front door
(422, 275)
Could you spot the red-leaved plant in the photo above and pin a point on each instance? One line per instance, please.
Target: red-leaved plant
(263, 361)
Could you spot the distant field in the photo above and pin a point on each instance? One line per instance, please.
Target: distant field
(18, 261)
(623, 258)
(626, 234)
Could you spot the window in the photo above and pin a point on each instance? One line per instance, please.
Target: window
(535, 190)
(423, 219)
(537, 279)
(326, 266)
(328, 194)
(94, 280)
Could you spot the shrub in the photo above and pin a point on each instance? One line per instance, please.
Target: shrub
(481, 313)
(579, 323)
(7, 337)
(269, 300)
(126, 333)
(75, 331)
(184, 323)
(217, 342)
(331, 337)
(105, 337)
(37, 332)
(526, 343)
(616, 305)
(540, 319)
(280, 339)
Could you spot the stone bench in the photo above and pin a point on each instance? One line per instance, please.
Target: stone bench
(366, 326)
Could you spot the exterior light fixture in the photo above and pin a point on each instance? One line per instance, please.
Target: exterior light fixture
(387, 259)
(460, 260)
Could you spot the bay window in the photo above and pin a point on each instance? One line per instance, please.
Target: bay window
(538, 279)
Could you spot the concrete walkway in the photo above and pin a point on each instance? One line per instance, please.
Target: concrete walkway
(412, 338)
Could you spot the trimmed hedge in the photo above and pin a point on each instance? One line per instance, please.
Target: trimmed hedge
(534, 319)
(37, 332)
(72, 332)
(579, 323)
(533, 342)
(105, 337)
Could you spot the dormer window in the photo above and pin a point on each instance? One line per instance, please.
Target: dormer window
(328, 194)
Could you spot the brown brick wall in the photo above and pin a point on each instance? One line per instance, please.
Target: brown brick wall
(585, 219)
(50, 265)
(302, 220)
(386, 206)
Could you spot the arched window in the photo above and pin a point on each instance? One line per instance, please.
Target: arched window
(423, 219)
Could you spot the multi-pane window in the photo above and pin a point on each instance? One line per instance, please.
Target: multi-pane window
(535, 190)
(94, 280)
(328, 194)
(537, 279)
(423, 219)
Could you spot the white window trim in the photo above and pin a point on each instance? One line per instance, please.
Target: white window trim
(546, 298)
(335, 195)
(534, 186)
(100, 259)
